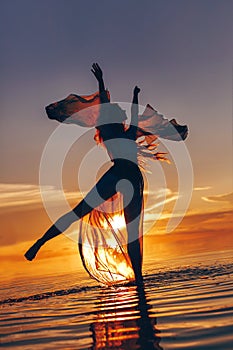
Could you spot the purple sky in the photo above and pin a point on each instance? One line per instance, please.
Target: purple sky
(179, 52)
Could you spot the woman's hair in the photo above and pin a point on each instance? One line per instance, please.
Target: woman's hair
(110, 113)
(97, 137)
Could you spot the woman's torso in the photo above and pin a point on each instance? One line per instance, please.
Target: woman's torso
(120, 143)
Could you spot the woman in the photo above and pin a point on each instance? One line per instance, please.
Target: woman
(122, 149)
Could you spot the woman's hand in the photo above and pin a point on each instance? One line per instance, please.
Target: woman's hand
(136, 90)
(97, 71)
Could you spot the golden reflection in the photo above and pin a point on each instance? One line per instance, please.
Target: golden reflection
(123, 321)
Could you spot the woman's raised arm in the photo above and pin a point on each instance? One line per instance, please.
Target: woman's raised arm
(97, 71)
(134, 107)
(134, 113)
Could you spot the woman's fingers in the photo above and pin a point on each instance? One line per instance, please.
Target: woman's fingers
(96, 70)
(93, 67)
(96, 67)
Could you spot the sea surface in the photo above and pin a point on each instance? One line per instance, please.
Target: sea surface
(186, 303)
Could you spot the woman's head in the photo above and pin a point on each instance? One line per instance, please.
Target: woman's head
(117, 113)
(111, 113)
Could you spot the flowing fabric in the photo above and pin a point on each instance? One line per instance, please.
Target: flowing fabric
(102, 233)
(103, 243)
(84, 111)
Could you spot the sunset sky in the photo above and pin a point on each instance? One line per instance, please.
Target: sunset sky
(179, 53)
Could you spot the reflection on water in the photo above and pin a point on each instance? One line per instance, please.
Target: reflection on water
(123, 321)
(188, 307)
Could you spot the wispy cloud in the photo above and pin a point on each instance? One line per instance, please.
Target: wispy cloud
(162, 203)
(226, 197)
(158, 193)
(12, 195)
(27, 194)
(203, 188)
(154, 209)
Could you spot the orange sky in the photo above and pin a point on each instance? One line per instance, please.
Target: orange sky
(23, 219)
(184, 70)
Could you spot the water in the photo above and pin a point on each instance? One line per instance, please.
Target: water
(182, 306)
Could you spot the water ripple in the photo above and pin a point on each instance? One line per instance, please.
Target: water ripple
(184, 308)
(160, 278)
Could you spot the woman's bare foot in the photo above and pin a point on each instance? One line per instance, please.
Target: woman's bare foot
(31, 253)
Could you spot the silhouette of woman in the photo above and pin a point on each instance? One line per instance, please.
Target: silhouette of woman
(112, 132)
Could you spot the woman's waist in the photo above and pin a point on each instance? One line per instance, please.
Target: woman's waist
(125, 163)
(121, 154)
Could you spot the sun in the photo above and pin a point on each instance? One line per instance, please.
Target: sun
(117, 222)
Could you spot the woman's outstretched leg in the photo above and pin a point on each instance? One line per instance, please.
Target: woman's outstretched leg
(56, 229)
(104, 189)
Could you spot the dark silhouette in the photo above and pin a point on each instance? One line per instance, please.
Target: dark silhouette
(123, 320)
(111, 127)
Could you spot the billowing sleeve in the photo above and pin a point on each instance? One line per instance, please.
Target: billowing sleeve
(153, 123)
(75, 109)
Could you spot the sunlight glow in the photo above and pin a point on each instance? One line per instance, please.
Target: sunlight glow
(117, 222)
